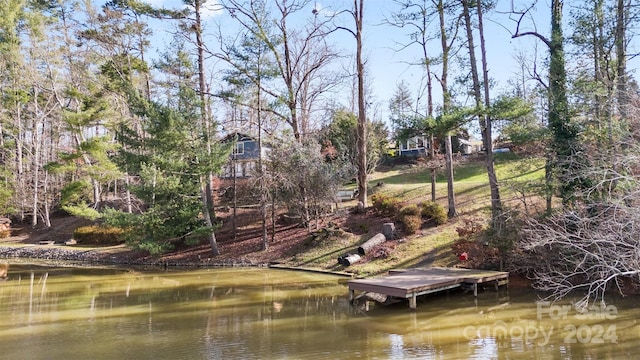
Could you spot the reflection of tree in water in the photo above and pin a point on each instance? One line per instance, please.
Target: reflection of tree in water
(4, 270)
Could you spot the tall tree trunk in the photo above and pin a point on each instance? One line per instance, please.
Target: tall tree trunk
(427, 64)
(20, 178)
(273, 215)
(46, 203)
(450, 192)
(207, 127)
(484, 117)
(207, 218)
(621, 57)
(565, 134)
(446, 107)
(35, 171)
(263, 200)
(234, 221)
(434, 174)
(127, 179)
(362, 117)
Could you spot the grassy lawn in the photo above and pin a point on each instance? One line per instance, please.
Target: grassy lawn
(432, 246)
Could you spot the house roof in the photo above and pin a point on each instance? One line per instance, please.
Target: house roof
(237, 136)
(470, 142)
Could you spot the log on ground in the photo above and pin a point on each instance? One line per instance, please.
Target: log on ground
(350, 259)
(371, 243)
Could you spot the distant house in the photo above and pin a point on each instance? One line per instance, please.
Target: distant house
(471, 146)
(244, 157)
(414, 146)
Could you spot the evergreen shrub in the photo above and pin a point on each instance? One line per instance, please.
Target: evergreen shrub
(435, 212)
(386, 204)
(411, 223)
(98, 235)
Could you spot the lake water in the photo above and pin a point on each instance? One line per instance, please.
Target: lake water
(246, 313)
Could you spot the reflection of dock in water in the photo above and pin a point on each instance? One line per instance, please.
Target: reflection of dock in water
(411, 283)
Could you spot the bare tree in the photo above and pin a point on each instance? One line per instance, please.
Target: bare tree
(562, 160)
(590, 250)
(417, 16)
(357, 12)
(484, 118)
(446, 43)
(591, 247)
(300, 55)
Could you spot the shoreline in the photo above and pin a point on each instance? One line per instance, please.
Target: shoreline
(60, 255)
(109, 257)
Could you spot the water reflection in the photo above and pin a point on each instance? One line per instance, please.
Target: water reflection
(60, 313)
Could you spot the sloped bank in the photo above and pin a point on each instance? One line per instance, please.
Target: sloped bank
(53, 254)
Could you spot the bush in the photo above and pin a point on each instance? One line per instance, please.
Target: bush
(469, 228)
(386, 204)
(411, 223)
(98, 235)
(391, 206)
(435, 212)
(377, 199)
(410, 210)
(478, 256)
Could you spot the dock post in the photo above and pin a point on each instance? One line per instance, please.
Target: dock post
(475, 289)
(412, 302)
(351, 295)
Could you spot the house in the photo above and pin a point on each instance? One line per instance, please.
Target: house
(244, 158)
(414, 146)
(471, 146)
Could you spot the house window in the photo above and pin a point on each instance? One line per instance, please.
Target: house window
(239, 150)
(415, 143)
(250, 168)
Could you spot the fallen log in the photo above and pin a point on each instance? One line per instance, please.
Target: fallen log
(371, 243)
(350, 259)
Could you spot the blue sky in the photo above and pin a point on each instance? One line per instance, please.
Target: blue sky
(387, 66)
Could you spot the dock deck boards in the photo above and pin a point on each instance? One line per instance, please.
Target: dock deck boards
(410, 283)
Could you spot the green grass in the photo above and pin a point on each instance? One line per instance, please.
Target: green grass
(431, 246)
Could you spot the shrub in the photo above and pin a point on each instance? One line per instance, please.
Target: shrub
(435, 212)
(386, 204)
(411, 223)
(377, 200)
(469, 228)
(98, 235)
(391, 206)
(478, 256)
(410, 210)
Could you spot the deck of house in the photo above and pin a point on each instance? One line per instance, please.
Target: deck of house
(411, 283)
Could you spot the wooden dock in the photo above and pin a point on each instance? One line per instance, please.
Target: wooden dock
(411, 283)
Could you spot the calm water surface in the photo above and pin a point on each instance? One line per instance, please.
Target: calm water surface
(70, 313)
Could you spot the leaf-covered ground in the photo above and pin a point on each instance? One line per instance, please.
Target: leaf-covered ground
(291, 244)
